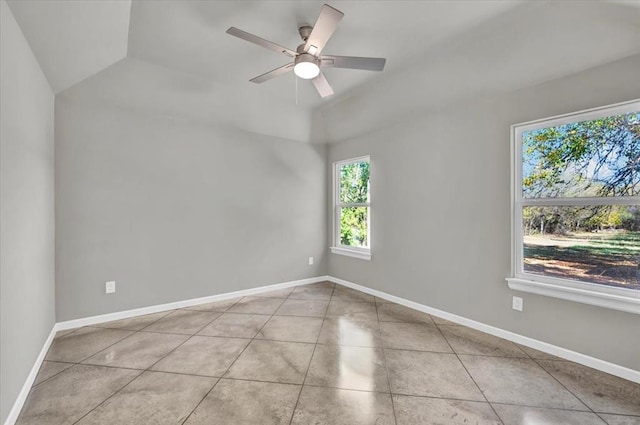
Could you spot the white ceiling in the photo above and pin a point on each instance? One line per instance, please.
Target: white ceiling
(73, 40)
(174, 57)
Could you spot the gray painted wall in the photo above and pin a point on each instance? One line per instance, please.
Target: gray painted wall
(440, 210)
(172, 210)
(27, 304)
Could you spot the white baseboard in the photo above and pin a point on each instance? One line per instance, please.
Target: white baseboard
(613, 369)
(24, 392)
(94, 320)
(592, 362)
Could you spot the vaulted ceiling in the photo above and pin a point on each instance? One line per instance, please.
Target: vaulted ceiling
(174, 57)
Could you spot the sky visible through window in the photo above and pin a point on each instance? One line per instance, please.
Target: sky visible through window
(589, 158)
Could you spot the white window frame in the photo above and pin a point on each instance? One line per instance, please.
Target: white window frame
(621, 299)
(338, 248)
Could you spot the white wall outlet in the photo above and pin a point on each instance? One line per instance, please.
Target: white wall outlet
(110, 287)
(517, 303)
(311, 261)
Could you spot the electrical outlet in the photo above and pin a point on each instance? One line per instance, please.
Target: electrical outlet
(517, 303)
(110, 287)
(311, 261)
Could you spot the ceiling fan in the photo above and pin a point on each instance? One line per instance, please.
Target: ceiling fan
(307, 59)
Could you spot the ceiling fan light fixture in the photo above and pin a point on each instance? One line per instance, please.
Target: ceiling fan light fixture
(306, 66)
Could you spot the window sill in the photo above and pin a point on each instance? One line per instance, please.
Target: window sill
(613, 298)
(355, 253)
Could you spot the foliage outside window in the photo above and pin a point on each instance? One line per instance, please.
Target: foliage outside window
(577, 200)
(352, 197)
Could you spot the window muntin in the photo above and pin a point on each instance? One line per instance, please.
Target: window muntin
(352, 204)
(577, 200)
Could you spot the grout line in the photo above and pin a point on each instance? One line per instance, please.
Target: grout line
(52, 376)
(144, 370)
(239, 355)
(295, 407)
(469, 374)
(108, 398)
(107, 347)
(564, 386)
(452, 352)
(182, 343)
(386, 363)
(166, 313)
(502, 403)
(256, 337)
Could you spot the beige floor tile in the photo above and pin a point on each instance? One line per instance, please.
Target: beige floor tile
(391, 312)
(308, 292)
(233, 402)
(347, 294)
(436, 411)
(257, 305)
(620, 420)
(413, 336)
(289, 328)
(133, 323)
(600, 391)
(216, 306)
(518, 415)
(278, 293)
(379, 300)
(66, 332)
(465, 340)
(152, 398)
(67, 397)
(182, 322)
(325, 284)
(293, 307)
(430, 374)
(538, 355)
(349, 332)
(355, 368)
(84, 343)
(349, 375)
(49, 369)
(138, 351)
(235, 325)
(440, 321)
(331, 406)
(518, 381)
(273, 361)
(203, 355)
(359, 311)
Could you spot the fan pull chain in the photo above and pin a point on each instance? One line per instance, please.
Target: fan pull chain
(296, 78)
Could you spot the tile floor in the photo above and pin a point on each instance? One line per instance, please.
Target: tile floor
(314, 354)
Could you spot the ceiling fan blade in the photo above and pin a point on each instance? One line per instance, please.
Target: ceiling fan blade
(322, 85)
(272, 74)
(352, 62)
(260, 41)
(324, 27)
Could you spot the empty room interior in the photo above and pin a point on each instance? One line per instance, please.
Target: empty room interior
(292, 212)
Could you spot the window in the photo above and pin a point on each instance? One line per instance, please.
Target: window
(352, 230)
(576, 207)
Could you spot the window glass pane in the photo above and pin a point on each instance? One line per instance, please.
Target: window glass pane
(354, 183)
(590, 158)
(354, 226)
(597, 244)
